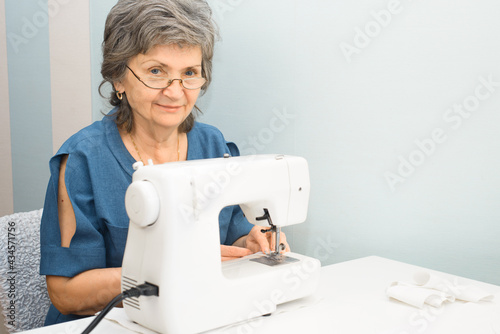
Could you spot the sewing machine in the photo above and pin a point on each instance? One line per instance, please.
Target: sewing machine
(174, 243)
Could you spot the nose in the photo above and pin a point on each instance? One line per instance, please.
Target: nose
(174, 89)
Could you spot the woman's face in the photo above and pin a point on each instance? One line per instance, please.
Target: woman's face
(167, 107)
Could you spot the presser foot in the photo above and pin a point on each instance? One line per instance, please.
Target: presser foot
(274, 259)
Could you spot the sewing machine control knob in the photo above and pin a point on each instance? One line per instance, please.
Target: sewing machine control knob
(142, 203)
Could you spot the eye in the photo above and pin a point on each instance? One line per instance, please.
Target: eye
(190, 73)
(155, 71)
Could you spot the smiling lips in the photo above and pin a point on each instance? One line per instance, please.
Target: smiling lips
(169, 108)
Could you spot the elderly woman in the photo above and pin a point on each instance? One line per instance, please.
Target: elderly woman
(158, 57)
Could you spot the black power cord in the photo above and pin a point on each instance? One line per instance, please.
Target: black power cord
(146, 289)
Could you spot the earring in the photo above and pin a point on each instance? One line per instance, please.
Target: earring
(119, 95)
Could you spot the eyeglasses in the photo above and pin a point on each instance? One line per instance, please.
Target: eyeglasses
(158, 82)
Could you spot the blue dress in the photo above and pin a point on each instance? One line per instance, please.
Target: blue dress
(98, 172)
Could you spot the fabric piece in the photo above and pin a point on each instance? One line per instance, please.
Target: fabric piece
(433, 290)
(418, 296)
(467, 293)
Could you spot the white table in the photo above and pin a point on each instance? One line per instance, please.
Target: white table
(351, 299)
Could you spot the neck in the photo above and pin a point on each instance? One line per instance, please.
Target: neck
(161, 149)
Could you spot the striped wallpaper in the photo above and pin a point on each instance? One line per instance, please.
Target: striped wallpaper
(6, 200)
(49, 77)
(46, 88)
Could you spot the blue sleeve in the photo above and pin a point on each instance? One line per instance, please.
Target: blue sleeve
(233, 149)
(238, 227)
(87, 249)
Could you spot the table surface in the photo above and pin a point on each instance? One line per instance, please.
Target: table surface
(351, 299)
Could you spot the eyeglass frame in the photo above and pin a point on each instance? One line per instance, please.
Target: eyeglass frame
(170, 81)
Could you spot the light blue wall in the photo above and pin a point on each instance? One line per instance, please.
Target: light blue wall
(98, 12)
(355, 90)
(29, 97)
(354, 114)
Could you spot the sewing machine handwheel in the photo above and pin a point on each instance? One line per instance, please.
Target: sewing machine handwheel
(142, 203)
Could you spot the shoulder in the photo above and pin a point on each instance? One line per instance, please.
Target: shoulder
(206, 131)
(91, 136)
(86, 146)
(210, 140)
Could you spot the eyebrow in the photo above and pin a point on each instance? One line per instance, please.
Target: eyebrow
(165, 65)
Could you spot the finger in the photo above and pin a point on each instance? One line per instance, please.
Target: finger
(263, 239)
(271, 240)
(233, 251)
(284, 242)
(287, 247)
(227, 258)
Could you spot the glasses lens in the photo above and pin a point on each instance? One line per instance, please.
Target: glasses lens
(193, 83)
(161, 83)
(155, 82)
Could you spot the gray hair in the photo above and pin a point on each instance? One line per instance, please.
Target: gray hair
(135, 26)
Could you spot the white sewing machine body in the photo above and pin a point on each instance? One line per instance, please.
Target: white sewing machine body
(174, 243)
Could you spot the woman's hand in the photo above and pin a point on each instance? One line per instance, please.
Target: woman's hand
(254, 242)
(257, 241)
(233, 252)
